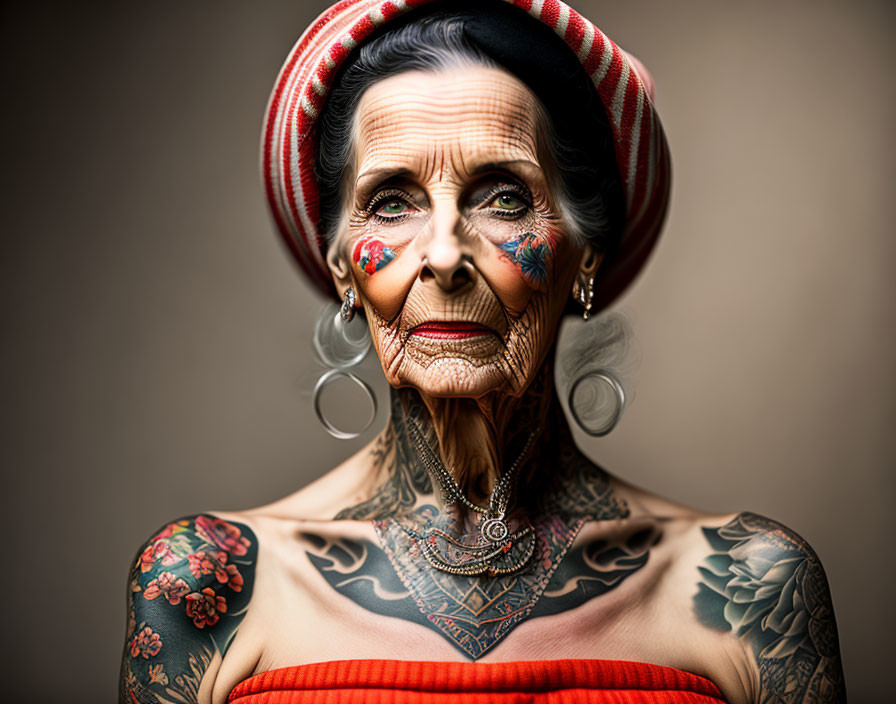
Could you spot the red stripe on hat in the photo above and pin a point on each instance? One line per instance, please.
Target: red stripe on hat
(324, 75)
(283, 226)
(621, 144)
(284, 207)
(607, 87)
(598, 47)
(362, 29)
(630, 105)
(287, 69)
(338, 52)
(310, 34)
(627, 132)
(295, 111)
(550, 13)
(389, 10)
(575, 30)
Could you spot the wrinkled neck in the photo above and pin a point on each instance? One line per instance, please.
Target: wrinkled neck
(474, 441)
(477, 442)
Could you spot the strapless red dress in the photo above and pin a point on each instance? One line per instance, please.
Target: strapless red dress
(536, 682)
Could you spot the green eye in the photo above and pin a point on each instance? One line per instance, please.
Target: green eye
(506, 201)
(393, 207)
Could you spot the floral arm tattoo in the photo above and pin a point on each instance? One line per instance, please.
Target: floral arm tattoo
(188, 591)
(766, 585)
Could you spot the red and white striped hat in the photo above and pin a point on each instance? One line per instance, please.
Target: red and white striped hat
(623, 85)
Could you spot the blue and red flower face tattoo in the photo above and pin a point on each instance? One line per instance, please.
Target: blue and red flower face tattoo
(531, 253)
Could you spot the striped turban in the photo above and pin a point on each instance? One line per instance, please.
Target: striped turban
(622, 83)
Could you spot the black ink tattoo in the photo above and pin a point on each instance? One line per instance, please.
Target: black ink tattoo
(361, 571)
(407, 479)
(765, 584)
(189, 589)
(594, 569)
(475, 613)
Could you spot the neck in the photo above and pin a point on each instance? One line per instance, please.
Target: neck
(477, 441)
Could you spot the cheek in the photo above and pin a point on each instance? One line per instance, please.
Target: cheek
(523, 264)
(532, 254)
(386, 288)
(385, 267)
(371, 255)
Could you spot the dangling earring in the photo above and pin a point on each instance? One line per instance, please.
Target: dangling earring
(341, 344)
(325, 379)
(583, 292)
(594, 408)
(347, 311)
(340, 340)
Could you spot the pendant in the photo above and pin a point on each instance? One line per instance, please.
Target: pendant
(494, 530)
(494, 551)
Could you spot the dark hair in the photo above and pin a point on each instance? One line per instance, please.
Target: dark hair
(577, 130)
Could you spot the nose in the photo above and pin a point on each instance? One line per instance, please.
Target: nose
(445, 260)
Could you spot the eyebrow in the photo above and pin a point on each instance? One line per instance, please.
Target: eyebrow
(501, 165)
(393, 172)
(385, 171)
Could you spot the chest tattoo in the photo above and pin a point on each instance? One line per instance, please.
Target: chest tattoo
(555, 559)
(475, 613)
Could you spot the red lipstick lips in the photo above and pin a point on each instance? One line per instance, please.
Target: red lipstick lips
(451, 329)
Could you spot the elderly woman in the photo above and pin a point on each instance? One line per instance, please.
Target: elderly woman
(462, 176)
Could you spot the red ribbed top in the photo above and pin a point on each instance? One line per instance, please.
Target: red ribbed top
(535, 682)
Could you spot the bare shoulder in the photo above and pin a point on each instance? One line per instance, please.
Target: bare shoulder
(351, 482)
(762, 583)
(753, 587)
(189, 588)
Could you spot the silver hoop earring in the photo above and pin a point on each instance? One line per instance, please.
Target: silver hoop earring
(583, 292)
(318, 391)
(597, 410)
(339, 343)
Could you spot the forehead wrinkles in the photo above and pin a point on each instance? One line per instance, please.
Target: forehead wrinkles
(418, 120)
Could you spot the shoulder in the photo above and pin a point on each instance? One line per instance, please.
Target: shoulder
(762, 582)
(189, 587)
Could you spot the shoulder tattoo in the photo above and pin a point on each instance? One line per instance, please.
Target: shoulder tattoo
(189, 588)
(765, 584)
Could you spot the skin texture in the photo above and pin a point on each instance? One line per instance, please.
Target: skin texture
(462, 265)
(451, 184)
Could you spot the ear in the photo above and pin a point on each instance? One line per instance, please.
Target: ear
(340, 268)
(590, 262)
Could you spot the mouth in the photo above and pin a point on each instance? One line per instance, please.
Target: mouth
(451, 329)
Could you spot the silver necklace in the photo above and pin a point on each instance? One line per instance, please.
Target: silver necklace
(493, 551)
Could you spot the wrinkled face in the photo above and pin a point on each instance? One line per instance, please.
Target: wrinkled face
(452, 240)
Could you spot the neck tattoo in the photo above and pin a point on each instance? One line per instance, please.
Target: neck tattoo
(546, 571)
(495, 549)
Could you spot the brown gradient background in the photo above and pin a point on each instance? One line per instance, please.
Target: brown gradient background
(156, 357)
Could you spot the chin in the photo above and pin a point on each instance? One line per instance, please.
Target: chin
(454, 377)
